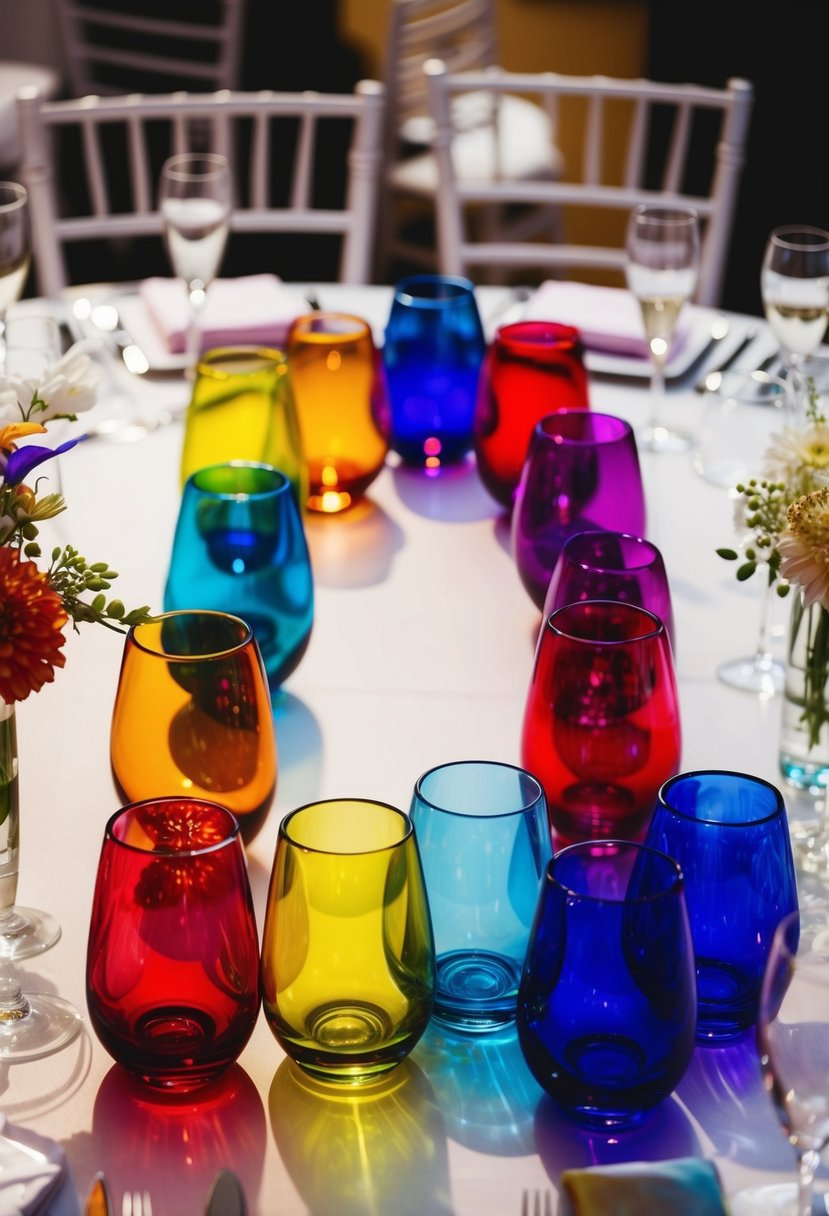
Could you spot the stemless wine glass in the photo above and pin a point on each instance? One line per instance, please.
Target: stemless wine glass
(172, 964)
(239, 547)
(193, 716)
(794, 284)
(432, 353)
(195, 198)
(601, 727)
(15, 244)
(611, 566)
(606, 1006)
(662, 267)
(729, 832)
(348, 957)
(243, 408)
(484, 842)
(581, 474)
(337, 380)
(531, 369)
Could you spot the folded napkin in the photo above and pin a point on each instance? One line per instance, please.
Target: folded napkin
(254, 308)
(608, 318)
(685, 1186)
(32, 1169)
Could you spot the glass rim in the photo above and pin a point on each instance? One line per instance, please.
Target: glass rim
(268, 357)
(279, 481)
(545, 427)
(283, 831)
(502, 766)
(536, 333)
(353, 329)
(666, 213)
(622, 606)
(167, 657)
(749, 778)
(651, 554)
(781, 235)
(129, 808)
(677, 882)
(217, 165)
(18, 191)
(461, 290)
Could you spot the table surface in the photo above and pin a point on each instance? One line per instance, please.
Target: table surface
(421, 653)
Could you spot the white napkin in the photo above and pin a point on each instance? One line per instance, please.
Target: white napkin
(684, 1186)
(253, 308)
(608, 318)
(32, 1168)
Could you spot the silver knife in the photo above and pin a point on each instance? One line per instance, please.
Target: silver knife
(712, 379)
(225, 1196)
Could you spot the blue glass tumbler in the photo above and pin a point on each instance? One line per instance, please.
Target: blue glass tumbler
(433, 350)
(729, 832)
(606, 1006)
(482, 832)
(240, 547)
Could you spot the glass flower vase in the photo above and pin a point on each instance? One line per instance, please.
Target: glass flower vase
(804, 740)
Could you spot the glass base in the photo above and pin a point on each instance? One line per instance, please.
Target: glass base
(34, 1024)
(653, 438)
(25, 932)
(774, 1199)
(765, 676)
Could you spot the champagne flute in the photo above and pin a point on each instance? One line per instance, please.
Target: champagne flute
(662, 268)
(15, 248)
(195, 200)
(794, 284)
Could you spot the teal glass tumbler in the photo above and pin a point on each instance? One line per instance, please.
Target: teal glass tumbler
(240, 547)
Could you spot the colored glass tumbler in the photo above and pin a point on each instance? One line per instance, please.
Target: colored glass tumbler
(239, 547)
(242, 408)
(601, 727)
(484, 842)
(531, 369)
(172, 966)
(581, 474)
(193, 715)
(348, 957)
(433, 349)
(729, 832)
(606, 1006)
(611, 566)
(339, 392)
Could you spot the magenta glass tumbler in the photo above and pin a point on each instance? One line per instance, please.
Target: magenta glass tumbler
(172, 967)
(581, 474)
(531, 369)
(612, 566)
(601, 728)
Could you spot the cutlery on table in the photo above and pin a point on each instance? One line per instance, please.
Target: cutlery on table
(136, 1203)
(539, 1206)
(712, 379)
(98, 1199)
(226, 1197)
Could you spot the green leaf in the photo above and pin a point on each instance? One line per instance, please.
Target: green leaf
(746, 571)
(730, 555)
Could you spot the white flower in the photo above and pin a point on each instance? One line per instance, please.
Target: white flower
(67, 388)
(804, 547)
(799, 457)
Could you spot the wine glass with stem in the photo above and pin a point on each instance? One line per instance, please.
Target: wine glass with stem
(15, 247)
(793, 1045)
(794, 284)
(195, 198)
(662, 266)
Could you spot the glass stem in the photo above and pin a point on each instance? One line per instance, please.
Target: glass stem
(657, 393)
(807, 1163)
(763, 652)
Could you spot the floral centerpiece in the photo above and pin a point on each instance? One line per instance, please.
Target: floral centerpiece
(784, 515)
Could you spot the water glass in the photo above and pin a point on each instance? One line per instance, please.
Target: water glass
(581, 474)
(239, 547)
(193, 715)
(601, 726)
(348, 957)
(172, 965)
(484, 842)
(339, 393)
(729, 831)
(611, 566)
(606, 1006)
(432, 354)
(242, 408)
(531, 369)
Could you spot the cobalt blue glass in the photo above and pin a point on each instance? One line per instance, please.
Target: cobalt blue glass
(433, 350)
(240, 547)
(729, 832)
(606, 1006)
(481, 828)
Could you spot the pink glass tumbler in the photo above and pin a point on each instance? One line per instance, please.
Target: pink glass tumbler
(531, 369)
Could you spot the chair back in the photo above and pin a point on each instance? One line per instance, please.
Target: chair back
(641, 141)
(272, 139)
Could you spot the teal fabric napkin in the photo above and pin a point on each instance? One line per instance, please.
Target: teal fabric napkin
(685, 1186)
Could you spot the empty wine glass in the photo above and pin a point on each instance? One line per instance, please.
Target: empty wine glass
(662, 267)
(794, 284)
(15, 247)
(195, 197)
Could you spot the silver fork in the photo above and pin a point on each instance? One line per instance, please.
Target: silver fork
(136, 1203)
(542, 1204)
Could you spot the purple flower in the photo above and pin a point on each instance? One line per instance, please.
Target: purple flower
(20, 463)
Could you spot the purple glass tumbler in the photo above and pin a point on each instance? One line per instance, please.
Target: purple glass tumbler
(581, 474)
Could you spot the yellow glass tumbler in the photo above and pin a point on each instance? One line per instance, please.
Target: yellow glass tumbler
(193, 715)
(337, 380)
(243, 408)
(348, 956)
